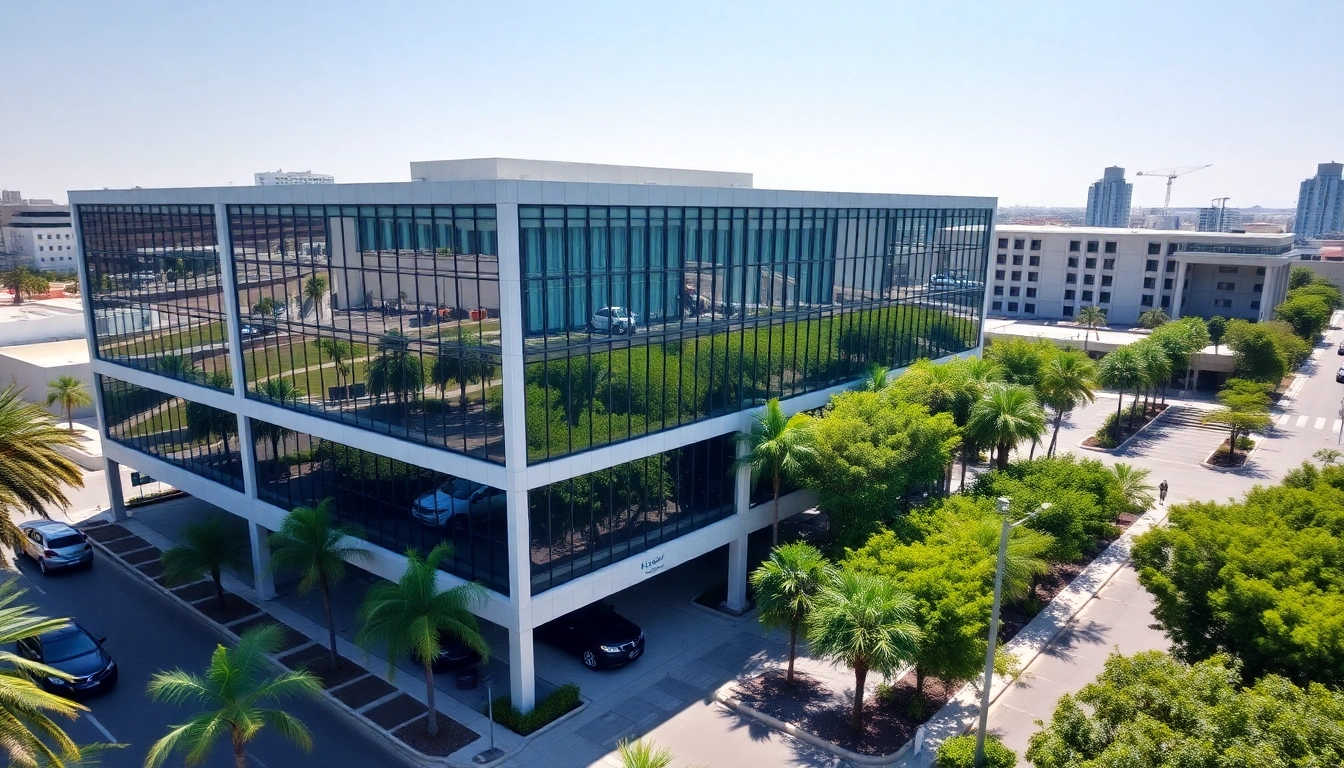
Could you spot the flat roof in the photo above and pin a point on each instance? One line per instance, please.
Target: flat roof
(1056, 229)
(1074, 333)
(36, 309)
(557, 170)
(50, 354)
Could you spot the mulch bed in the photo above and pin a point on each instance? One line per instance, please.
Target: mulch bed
(1126, 431)
(197, 591)
(125, 544)
(397, 711)
(106, 533)
(289, 639)
(810, 705)
(451, 737)
(363, 691)
(153, 569)
(142, 556)
(1221, 457)
(234, 609)
(316, 659)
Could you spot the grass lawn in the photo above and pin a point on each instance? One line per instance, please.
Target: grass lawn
(196, 336)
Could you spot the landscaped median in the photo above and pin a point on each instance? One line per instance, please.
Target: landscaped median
(367, 698)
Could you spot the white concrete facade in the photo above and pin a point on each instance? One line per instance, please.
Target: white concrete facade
(1049, 272)
(520, 611)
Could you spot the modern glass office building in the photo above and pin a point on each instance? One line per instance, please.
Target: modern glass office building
(542, 363)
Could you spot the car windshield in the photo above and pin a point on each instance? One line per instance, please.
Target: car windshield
(65, 540)
(67, 647)
(463, 488)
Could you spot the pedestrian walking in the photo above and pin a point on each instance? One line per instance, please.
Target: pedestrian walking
(1162, 492)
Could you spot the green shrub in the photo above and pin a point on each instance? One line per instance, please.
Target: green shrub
(1104, 432)
(959, 752)
(562, 700)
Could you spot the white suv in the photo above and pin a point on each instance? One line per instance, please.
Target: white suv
(614, 320)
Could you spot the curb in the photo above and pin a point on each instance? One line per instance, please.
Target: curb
(1259, 441)
(1121, 446)
(724, 696)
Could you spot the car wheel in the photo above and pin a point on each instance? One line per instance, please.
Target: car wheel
(590, 659)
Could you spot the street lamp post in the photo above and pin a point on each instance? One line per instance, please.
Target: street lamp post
(1001, 505)
(1341, 422)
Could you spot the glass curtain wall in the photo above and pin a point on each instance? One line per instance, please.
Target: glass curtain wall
(385, 317)
(589, 522)
(193, 436)
(642, 319)
(153, 277)
(396, 505)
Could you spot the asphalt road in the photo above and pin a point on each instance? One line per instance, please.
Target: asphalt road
(146, 633)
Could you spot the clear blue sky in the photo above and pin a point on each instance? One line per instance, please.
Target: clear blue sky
(1023, 100)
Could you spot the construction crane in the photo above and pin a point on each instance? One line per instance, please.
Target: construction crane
(1171, 174)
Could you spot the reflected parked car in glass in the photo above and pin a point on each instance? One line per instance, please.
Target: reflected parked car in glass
(453, 655)
(597, 634)
(55, 546)
(616, 321)
(74, 651)
(455, 501)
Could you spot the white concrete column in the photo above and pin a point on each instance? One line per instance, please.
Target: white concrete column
(522, 669)
(737, 549)
(247, 450)
(229, 284)
(262, 579)
(1180, 289)
(116, 499)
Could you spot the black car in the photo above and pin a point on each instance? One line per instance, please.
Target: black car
(597, 634)
(72, 650)
(1341, 347)
(453, 655)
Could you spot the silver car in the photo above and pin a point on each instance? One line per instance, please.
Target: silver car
(455, 501)
(55, 546)
(614, 320)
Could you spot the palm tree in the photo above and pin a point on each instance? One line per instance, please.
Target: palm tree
(315, 288)
(28, 735)
(207, 547)
(396, 371)
(461, 363)
(33, 473)
(778, 447)
(1025, 561)
(339, 352)
(1156, 370)
(23, 281)
(283, 392)
(977, 374)
(1134, 487)
(178, 367)
(1328, 456)
(1066, 382)
(413, 616)
(233, 694)
(865, 623)
(876, 379)
(1153, 318)
(1006, 415)
(1120, 370)
(786, 590)
(643, 754)
(70, 393)
(310, 542)
(1091, 316)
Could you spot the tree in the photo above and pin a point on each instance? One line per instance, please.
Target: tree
(1255, 578)
(1180, 340)
(1006, 415)
(207, 548)
(463, 363)
(777, 447)
(28, 734)
(1308, 315)
(1092, 317)
(282, 392)
(1156, 369)
(1121, 370)
(1328, 456)
(339, 353)
(1256, 352)
(311, 542)
(266, 306)
(70, 393)
(643, 754)
(22, 281)
(1151, 711)
(786, 590)
(413, 615)
(233, 693)
(870, 451)
(1245, 410)
(1300, 277)
(951, 387)
(1323, 289)
(1217, 326)
(959, 752)
(396, 371)
(178, 367)
(315, 290)
(865, 623)
(1067, 381)
(33, 472)
(1020, 360)
(1134, 487)
(1152, 318)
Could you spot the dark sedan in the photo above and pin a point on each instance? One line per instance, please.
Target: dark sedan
(453, 655)
(72, 650)
(597, 634)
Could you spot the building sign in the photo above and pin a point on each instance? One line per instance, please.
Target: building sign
(653, 564)
(139, 479)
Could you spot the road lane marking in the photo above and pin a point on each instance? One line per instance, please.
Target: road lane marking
(1284, 419)
(1337, 423)
(1302, 420)
(107, 734)
(1320, 422)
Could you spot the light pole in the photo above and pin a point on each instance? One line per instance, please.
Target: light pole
(1001, 506)
(493, 753)
(1341, 422)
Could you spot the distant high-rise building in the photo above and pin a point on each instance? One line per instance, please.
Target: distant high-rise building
(10, 197)
(280, 178)
(1108, 200)
(1219, 219)
(1320, 203)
